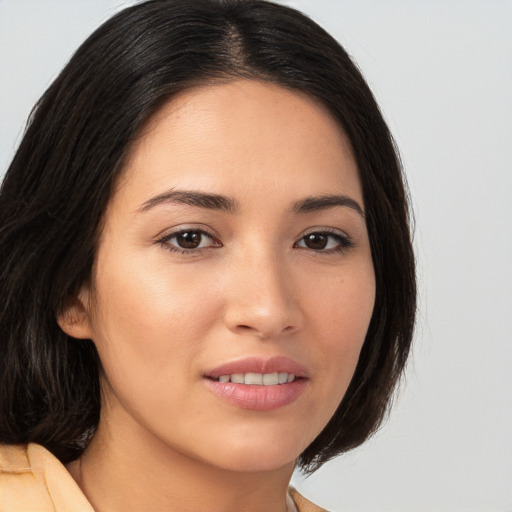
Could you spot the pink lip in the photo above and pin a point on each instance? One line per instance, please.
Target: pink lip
(254, 397)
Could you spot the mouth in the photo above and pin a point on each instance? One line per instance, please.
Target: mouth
(257, 384)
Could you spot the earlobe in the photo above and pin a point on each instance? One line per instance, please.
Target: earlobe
(74, 318)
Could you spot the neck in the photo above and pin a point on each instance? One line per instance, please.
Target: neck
(129, 469)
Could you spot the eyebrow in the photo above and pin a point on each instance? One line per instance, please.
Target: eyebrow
(316, 203)
(193, 198)
(219, 202)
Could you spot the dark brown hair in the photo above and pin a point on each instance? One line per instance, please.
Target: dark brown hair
(56, 190)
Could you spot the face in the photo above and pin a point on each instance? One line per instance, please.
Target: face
(233, 284)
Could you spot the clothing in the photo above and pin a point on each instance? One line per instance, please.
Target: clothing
(302, 504)
(33, 480)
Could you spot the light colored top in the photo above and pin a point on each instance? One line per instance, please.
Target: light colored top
(33, 480)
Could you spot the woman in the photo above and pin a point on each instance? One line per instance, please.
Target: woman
(206, 265)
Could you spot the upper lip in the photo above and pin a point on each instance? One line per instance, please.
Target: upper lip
(259, 365)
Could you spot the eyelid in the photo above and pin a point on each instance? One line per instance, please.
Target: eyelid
(326, 231)
(180, 228)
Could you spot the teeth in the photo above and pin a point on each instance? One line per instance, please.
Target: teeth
(258, 379)
(253, 378)
(270, 379)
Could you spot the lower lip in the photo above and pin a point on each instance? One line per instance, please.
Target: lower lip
(257, 398)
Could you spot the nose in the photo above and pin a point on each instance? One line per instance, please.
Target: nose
(263, 297)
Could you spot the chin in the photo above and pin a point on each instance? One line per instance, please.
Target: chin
(257, 454)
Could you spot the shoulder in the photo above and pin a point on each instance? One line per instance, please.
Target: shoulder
(32, 479)
(302, 504)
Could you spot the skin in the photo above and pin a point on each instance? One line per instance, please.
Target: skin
(161, 318)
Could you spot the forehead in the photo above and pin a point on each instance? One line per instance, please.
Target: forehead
(242, 135)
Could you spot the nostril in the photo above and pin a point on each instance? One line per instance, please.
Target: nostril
(261, 331)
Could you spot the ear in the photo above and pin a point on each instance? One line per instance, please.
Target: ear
(75, 317)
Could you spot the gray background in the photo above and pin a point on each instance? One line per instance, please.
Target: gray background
(442, 72)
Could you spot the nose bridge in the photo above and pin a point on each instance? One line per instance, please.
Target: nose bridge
(262, 299)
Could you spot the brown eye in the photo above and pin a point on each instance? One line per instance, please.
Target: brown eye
(327, 242)
(316, 241)
(189, 239)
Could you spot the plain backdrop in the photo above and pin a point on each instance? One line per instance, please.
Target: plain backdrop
(442, 73)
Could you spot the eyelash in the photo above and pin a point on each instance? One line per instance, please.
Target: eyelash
(344, 242)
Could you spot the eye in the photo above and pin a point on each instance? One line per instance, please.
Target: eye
(188, 240)
(325, 241)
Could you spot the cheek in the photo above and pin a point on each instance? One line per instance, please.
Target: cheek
(148, 329)
(145, 293)
(147, 318)
(341, 311)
